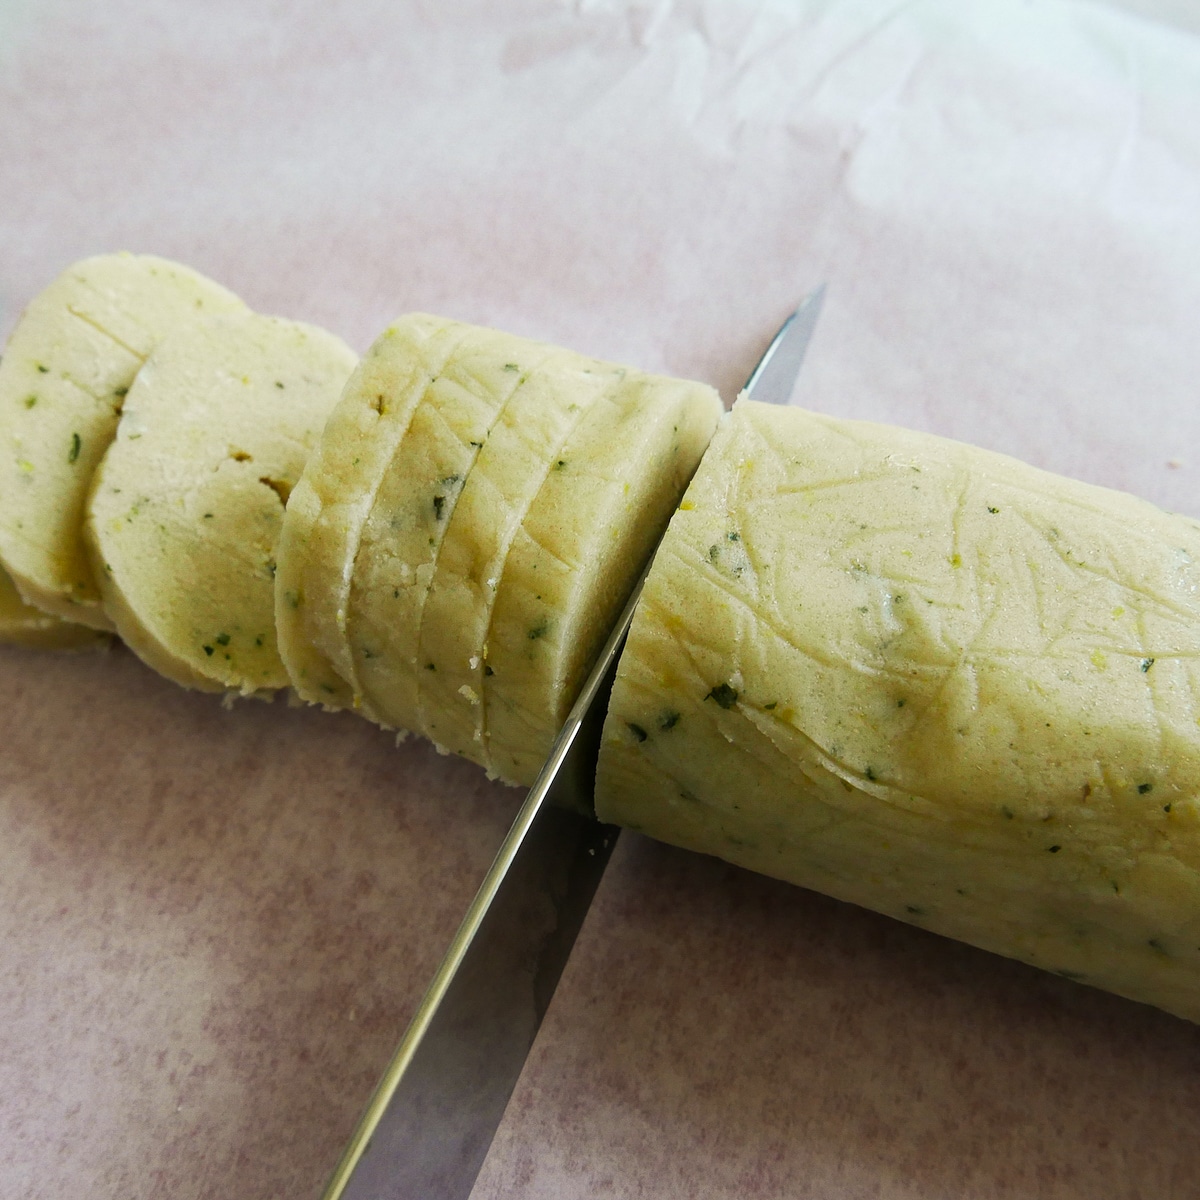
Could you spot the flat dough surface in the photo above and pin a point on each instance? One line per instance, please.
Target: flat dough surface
(184, 520)
(66, 369)
(933, 681)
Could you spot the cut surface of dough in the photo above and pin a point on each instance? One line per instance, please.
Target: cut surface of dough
(931, 680)
(331, 503)
(63, 378)
(415, 505)
(578, 552)
(188, 502)
(521, 450)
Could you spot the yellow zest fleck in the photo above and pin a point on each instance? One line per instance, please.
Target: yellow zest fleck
(686, 506)
(955, 559)
(25, 465)
(1099, 660)
(1119, 611)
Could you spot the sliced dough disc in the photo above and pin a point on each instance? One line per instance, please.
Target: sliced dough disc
(578, 552)
(68, 364)
(188, 503)
(23, 625)
(330, 505)
(520, 452)
(930, 680)
(414, 507)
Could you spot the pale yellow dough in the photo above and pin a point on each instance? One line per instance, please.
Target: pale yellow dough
(933, 681)
(330, 505)
(188, 503)
(68, 364)
(413, 508)
(23, 625)
(575, 558)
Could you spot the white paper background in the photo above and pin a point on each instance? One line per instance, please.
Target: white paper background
(1004, 199)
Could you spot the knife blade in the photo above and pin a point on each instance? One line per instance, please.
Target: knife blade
(428, 1126)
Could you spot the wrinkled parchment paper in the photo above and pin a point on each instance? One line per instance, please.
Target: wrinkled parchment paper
(215, 923)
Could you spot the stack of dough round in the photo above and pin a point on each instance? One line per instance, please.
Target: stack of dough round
(933, 681)
(188, 502)
(66, 369)
(476, 459)
(23, 625)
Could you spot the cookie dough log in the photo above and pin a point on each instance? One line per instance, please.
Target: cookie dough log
(933, 681)
(68, 364)
(187, 505)
(413, 508)
(330, 504)
(593, 525)
(23, 625)
(522, 449)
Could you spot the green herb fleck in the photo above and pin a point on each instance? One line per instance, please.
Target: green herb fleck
(724, 695)
(430, 667)
(30, 401)
(121, 392)
(487, 670)
(1166, 808)
(208, 516)
(1054, 849)
(1155, 944)
(477, 445)
(278, 383)
(668, 719)
(869, 772)
(451, 480)
(222, 639)
(511, 367)
(992, 510)
(637, 731)
(916, 912)
(562, 462)
(208, 650)
(76, 446)
(540, 629)
(1147, 663)
(769, 707)
(439, 503)
(258, 641)
(714, 552)
(733, 536)
(1008, 813)
(955, 559)
(900, 703)
(43, 369)
(1143, 788)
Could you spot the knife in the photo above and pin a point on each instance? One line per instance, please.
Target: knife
(428, 1125)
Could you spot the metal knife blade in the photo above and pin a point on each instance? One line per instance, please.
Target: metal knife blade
(427, 1128)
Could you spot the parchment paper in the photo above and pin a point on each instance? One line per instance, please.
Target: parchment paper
(214, 924)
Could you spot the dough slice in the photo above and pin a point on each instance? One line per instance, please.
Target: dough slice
(524, 444)
(330, 505)
(68, 364)
(933, 681)
(413, 508)
(23, 625)
(188, 502)
(587, 535)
